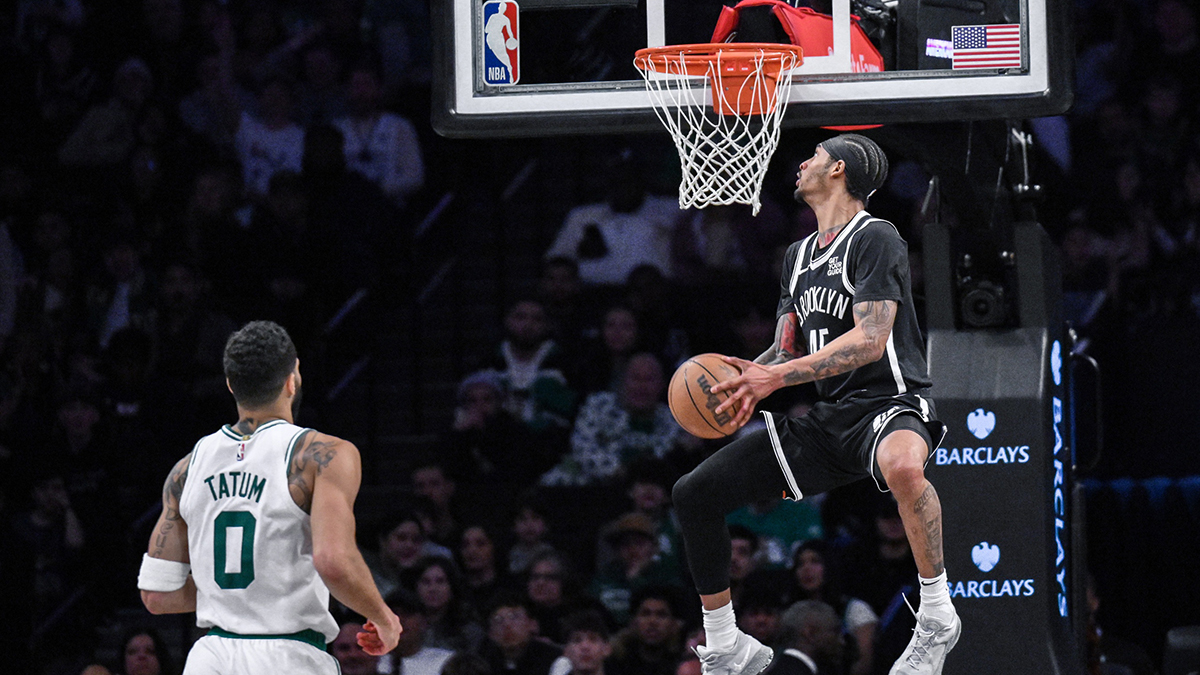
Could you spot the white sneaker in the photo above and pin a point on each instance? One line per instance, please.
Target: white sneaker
(926, 652)
(748, 657)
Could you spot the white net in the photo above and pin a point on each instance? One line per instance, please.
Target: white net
(724, 157)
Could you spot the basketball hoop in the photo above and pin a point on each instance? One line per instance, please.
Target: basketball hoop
(723, 151)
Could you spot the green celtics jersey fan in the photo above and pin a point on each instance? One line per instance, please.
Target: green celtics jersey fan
(846, 323)
(257, 529)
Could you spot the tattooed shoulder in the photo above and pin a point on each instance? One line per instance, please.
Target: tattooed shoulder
(314, 452)
(173, 487)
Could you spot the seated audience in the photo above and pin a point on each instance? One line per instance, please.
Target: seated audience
(815, 578)
(811, 640)
(450, 616)
(652, 643)
(351, 658)
(511, 647)
(636, 566)
(586, 645)
(411, 655)
(615, 429)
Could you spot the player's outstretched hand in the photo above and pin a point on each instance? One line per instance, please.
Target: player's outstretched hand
(745, 391)
(379, 640)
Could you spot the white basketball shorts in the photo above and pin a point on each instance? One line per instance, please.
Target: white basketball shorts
(215, 655)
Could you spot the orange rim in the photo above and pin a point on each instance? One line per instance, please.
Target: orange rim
(734, 56)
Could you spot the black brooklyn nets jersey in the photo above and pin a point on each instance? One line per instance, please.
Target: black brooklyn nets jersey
(868, 260)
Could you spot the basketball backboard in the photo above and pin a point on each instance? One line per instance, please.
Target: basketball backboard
(544, 67)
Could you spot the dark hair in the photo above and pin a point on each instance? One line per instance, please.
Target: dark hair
(466, 663)
(663, 593)
(584, 621)
(391, 521)
(507, 598)
(742, 532)
(258, 360)
(404, 601)
(166, 665)
(459, 612)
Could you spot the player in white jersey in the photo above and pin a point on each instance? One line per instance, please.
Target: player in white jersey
(257, 529)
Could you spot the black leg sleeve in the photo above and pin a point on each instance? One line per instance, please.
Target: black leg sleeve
(742, 472)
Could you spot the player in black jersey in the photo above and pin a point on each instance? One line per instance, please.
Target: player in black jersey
(846, 323)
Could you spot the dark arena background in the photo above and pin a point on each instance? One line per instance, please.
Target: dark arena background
(489, 283)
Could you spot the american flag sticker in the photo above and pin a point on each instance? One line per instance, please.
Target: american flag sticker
(994, 46)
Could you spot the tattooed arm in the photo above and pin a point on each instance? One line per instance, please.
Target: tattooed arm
(784, 348)
(169, 541)
(863, 344)
(323, 478)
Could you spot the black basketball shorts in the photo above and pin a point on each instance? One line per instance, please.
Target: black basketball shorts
(835, 443)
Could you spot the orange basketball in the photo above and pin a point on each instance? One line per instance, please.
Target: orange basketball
(692, 401)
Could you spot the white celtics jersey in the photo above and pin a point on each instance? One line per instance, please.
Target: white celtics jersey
(250, 544)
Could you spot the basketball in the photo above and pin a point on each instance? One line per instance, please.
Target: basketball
(511, 44)
(692, 401)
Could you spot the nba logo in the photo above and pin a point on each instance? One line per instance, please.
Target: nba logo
(241, 453)
(501, 43)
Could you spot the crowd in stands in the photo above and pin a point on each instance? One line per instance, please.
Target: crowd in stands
(171, 169)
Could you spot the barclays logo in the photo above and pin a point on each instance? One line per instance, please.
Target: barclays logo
(981, 423)
(1056, 362)
(984, 556)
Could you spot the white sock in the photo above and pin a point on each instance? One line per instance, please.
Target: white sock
(720, 628)
(935, 598)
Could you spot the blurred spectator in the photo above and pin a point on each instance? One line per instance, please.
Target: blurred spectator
(553, 594)
(533, 368)
(122, 298)
(816, 578)
(720, 244)
(652, 644)
(107, 133)
(190, 335)
(780, 524)
(743, 557)
(638, 564)
(466, 663)
(321, 96)
(432, 481)
(64, 83)
(489, 444)
(451, 622)
(216, 239)
(586, 644)
(615, 429)
(213, 111)
(144, 652)
(402, 545)
(760, 607)
(608, 357)
(481, 567)
(270, 141)
(649, 294)
(380, 145)
(529, 530)
(811, 640)
(49, 540)
(352, 216)
(880, 567)
(610, 239)
(412, 656)
(351, 658)
(511, 648)
(567, 310)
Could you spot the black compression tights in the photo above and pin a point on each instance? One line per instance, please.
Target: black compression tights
(742, 472)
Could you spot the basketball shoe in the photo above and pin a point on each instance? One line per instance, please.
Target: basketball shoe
(748, 657)
(926, 652)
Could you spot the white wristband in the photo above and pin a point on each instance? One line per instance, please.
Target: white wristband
(161, 575)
